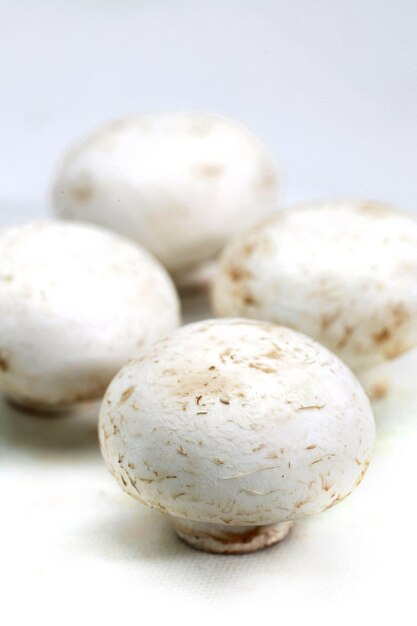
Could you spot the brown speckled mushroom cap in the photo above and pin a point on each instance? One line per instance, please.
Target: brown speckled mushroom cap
(237, 422)
(180, 184)
(343, 272)
(76, 302)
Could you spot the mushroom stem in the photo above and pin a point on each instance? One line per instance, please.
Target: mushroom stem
(197, 281)
(51, 411)
(222, 539)
(36, 408)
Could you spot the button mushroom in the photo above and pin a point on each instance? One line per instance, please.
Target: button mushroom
(343, 272)
(235, 428)
(76, 302)
(180, 184)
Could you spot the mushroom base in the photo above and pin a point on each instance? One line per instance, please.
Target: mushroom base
(196, 281)
(221, 539)
(38, 408)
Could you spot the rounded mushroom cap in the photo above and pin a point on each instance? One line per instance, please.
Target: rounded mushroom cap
(180, 184)
(76, 302)
(343, 272)
(237, 422)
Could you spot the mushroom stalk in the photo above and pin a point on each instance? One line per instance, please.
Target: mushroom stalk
(222, 539)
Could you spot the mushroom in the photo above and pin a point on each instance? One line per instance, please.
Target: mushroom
(76, 302)
(343, 272)
(235, 428)
(180, 184)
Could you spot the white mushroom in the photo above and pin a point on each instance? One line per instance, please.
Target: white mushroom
(235, 428)
(180, 184)
(343, 272)
(76, 302)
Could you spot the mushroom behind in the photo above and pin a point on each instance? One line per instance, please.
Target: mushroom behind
(180, 184)
(235, 428)
(76, 302)
(343, 272)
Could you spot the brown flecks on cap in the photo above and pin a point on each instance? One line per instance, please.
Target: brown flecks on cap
(248, 249)
(210, 170)
(82, 192)
(181, 451)
(347, 333)
(382, 335)
(395, 349)
(262, 368)
(274, 354)
(223, 401)
(362, 474)
(226, 353)
(126, 395)
(236, 274)
(249, 300)
(272, 455)
(327, 320)
(213, 384)
(335, 499)
(6, 278)
(373, 209)
(301, 503)
(378, 390)
(309, 406)
(400, 314)
(178, 495)
(322, 458)
(324, 484)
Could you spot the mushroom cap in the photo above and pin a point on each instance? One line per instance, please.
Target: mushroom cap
(237, 422)
(76, 302)
(343, 272)
(180, 184)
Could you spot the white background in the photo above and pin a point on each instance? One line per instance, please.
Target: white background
(331, 87)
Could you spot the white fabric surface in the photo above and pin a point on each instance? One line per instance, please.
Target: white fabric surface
(330, 87)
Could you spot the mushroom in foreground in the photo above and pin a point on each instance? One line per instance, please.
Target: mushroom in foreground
(76, 302)
(235, 428)
(343, 272)
(180, 184)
